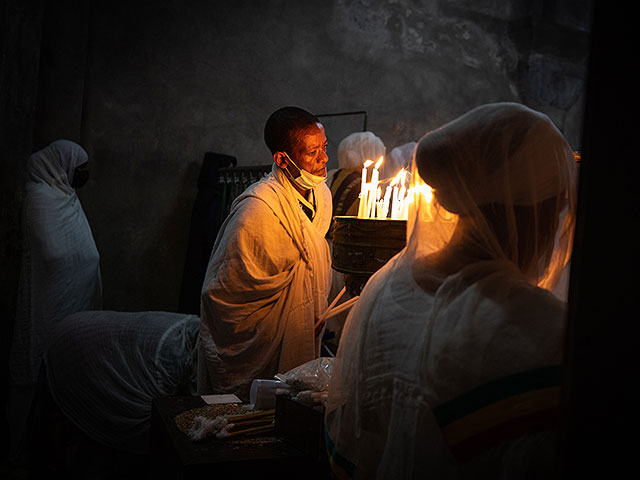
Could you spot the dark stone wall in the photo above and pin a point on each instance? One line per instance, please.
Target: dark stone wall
(20, 33)
(148, 87)
(600, 398)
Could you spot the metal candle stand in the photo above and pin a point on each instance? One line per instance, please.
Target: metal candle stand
(361, 246)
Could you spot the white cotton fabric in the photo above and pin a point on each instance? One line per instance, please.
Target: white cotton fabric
(59, 275)
(354, 149)
(60, 270)
(267, 280)
(400, 157)
(104, 369)
(464, 303)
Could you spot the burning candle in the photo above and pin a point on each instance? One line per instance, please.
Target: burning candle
(363, 190)
(375, 174)
(373, 185)
(379, 203)
(395, 204)
(385, 201)
(408, 199)
(402, 196)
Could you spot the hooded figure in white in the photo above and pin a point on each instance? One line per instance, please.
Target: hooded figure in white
(448, 366)
(60, 270)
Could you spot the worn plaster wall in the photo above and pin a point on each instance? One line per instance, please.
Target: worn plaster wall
(149, 87)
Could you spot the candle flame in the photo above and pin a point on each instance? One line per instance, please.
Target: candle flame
(379, 162)
(398, 176)
(403, 177)
(367, 163)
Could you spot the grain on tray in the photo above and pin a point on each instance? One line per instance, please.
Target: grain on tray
(184, 420)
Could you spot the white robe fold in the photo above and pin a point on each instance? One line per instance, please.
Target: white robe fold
(405, 352)
(104, 369)
(60, 274)
(267, 281)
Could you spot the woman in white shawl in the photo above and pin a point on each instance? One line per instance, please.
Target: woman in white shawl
(449, 363)
(60, 270)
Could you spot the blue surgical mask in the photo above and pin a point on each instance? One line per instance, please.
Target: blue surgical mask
(305, 180)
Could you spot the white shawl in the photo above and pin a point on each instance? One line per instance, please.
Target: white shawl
(457, 313)
(60, 271)
(104, 369)
(267, 281)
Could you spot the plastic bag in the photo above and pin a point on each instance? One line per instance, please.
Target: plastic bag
(312, 375)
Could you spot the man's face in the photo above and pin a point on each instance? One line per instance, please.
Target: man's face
(309, 150)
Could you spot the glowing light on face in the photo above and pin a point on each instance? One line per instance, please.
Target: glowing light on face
(310, 150)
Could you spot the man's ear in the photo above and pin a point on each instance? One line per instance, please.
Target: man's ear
(281, 160)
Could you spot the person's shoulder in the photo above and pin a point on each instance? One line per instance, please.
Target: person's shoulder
(257, 211)
(251, 208)
(524, 300)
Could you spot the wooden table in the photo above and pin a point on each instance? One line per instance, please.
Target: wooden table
(174, 456)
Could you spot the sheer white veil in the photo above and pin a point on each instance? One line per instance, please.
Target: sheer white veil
(493, 189)
(505, 180)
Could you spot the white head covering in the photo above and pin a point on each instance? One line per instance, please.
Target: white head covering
(56, 164)
(399, 158)
(60, 271)
(458, 306)
(507, 176)
(354, 149)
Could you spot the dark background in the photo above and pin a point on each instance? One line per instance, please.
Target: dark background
(148, 87)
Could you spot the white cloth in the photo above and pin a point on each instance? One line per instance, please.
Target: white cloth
(104, 368)
(356, 148)
(60, 271)
(267, 280)
(400, 157)
(411, 351)
(463, 304)
(55, 165)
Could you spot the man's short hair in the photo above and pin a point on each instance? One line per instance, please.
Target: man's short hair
(281, 126)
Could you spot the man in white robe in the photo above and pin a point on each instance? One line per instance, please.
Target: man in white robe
(269, 273)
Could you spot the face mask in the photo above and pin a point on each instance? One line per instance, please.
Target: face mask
(80, 177)
(305, 180)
